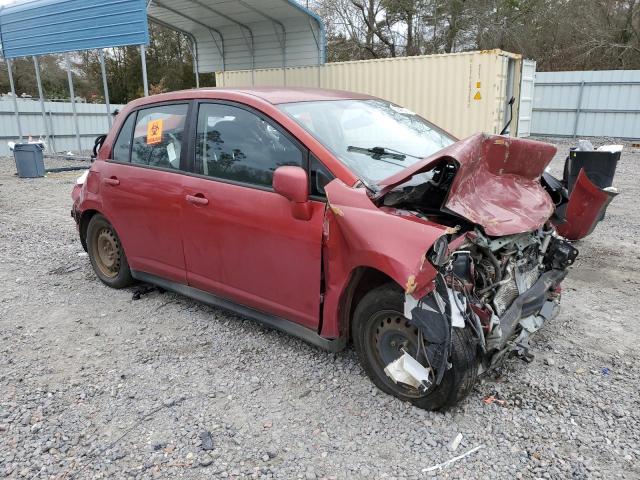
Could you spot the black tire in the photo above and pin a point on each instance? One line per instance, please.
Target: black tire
(458, 381)
(107, 256)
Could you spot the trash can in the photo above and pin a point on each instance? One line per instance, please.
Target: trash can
(600, 167)
(29, 160)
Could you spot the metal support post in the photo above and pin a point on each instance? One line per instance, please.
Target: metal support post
(44, 112)
(105, 87)
(72, 94)
(15, 98)
(578, 108)
(143, 58)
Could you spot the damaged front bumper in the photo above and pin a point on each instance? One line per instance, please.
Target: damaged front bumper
(443, 309)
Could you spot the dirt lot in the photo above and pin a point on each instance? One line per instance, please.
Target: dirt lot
(94, 384)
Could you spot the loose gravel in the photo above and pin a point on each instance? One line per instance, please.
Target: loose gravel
(94, 384)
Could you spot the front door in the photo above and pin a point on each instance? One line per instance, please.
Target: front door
(240, 240)
(142, 191)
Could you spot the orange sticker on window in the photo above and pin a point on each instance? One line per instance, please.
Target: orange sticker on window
(154, 132)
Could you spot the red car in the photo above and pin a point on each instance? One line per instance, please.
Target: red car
(333, 216)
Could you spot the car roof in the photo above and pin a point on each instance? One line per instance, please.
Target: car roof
(273, 95)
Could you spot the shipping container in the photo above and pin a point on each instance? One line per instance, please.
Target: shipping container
(464, 93)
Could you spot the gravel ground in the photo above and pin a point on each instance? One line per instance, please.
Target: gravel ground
(94, 384)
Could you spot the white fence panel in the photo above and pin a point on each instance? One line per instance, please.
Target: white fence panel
(92, 120)
(587, 104)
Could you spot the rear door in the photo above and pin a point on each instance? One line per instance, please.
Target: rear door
(240, 239)
(142, 189)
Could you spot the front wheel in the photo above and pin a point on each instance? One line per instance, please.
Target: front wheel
(380, 335)
(106, 253)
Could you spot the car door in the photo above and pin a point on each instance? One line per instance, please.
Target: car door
(241, 241)
(142, 191)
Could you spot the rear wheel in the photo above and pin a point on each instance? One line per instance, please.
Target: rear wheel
(380, 335)
(107, 256)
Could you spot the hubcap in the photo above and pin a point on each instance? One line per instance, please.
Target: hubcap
(107, 250)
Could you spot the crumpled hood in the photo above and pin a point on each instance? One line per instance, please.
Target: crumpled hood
(497, 185)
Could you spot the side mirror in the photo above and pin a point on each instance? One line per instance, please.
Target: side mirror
(293, 184)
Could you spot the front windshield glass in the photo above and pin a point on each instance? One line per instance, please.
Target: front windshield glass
(374, 138)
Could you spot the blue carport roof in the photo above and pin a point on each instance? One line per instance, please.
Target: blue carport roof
(40, 27)
(227, 34)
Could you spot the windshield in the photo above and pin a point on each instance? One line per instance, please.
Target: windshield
(374, 138)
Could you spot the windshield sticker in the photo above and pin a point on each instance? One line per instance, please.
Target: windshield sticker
(403, 110)
(154, 132)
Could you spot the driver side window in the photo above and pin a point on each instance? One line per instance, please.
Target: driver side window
(158, 136)
(235, 144)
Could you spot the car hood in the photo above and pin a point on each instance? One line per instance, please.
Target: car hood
(497, 185)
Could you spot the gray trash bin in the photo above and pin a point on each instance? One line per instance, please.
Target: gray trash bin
(29, 160)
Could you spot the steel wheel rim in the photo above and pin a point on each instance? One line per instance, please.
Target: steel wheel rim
(107, 252)
(389, 334)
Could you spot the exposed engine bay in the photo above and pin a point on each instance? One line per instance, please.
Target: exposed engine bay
(504, 288)
(425, 193)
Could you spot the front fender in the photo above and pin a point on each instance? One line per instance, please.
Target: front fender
(359, 234)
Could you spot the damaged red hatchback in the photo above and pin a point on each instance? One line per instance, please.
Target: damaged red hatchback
(333, 216)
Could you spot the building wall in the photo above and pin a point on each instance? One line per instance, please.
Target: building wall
(463, 93)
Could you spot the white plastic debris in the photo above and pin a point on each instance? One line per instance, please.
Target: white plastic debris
(457, 320)
(585, 146)
(611, 148)
(455, 443)
(409, 371)
(442, 465)
(409, 304)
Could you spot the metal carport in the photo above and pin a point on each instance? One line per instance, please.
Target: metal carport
(245, 34)
(225, 34)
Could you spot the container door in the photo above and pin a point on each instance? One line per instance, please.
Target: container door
(525, 110)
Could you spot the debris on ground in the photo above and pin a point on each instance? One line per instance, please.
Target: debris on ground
(455, 443)
(206, 440)
(492, 399)
(144, 289)
(443, 465)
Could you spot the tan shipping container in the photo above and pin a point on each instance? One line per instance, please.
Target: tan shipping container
(464, 93)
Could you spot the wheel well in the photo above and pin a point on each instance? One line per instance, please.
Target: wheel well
(85, 218)
(362, 281)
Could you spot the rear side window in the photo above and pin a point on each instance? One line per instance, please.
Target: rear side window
(235, 144)
(158, 136)
(120, 151)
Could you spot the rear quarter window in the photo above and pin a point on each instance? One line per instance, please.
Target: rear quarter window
(122, 147)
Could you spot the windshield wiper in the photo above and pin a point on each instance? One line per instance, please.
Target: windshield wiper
(378, 152)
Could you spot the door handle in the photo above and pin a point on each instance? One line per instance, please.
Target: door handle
(111, 181)
(197, 199)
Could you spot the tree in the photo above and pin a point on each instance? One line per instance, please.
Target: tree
(559, 34)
